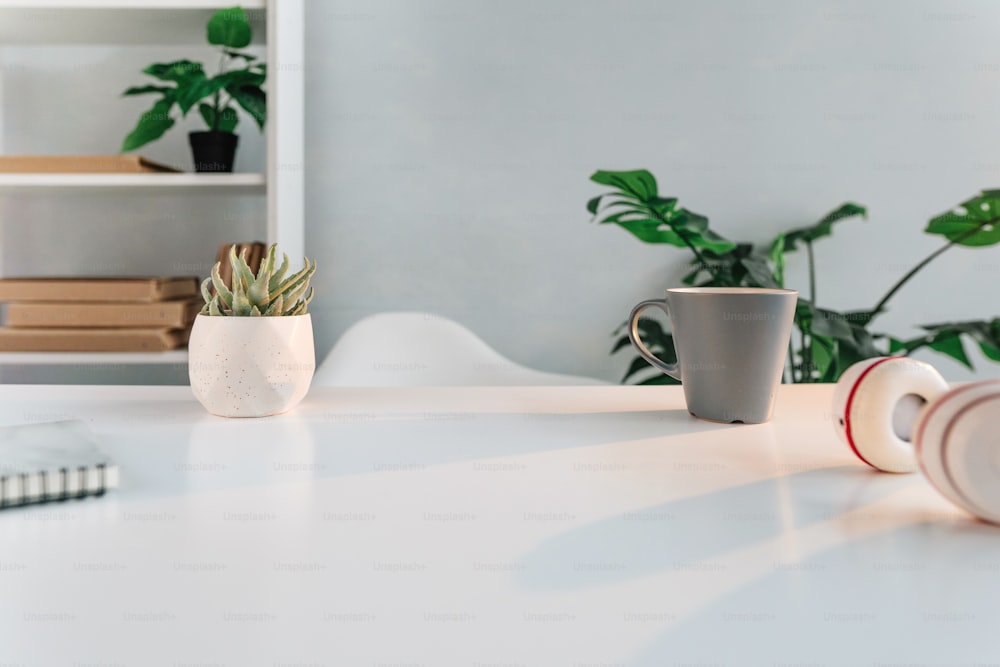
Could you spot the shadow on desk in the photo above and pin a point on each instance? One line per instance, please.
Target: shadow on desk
(207, 453)
(918, 594)
(685, 535)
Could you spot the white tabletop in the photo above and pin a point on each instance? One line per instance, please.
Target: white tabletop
(486, 527)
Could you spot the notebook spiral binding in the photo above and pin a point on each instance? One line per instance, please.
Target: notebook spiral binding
(51, 462)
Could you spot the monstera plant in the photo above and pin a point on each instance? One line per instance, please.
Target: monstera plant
(827, 341)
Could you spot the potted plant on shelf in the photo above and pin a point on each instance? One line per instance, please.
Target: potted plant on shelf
(185, 85)
(251, 349)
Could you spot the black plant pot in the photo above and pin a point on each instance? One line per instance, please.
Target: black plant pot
(213, 151)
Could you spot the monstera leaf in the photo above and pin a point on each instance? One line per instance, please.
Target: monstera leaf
(975, 222)
(946, 338)
(636, 206)
(658, 341)
(822, 228)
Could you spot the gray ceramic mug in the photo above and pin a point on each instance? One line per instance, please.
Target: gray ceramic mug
(731, 345)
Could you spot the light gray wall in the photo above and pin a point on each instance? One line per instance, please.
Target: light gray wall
(450, 144)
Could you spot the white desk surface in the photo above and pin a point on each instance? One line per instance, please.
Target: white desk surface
(487, 527)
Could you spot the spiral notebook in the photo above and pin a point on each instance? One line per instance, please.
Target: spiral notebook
(51, 461)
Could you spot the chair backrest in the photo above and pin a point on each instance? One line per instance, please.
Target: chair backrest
(421, 349)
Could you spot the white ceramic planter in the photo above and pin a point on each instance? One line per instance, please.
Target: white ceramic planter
(251, 366)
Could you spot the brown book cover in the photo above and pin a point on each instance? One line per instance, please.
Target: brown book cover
(80, 164)
(145, 289)
(26, 339)
(255, 254)
(175, 314)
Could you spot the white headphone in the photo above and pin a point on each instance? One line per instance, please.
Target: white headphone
(898, 415)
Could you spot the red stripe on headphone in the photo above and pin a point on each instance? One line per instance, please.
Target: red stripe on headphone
(850, 402)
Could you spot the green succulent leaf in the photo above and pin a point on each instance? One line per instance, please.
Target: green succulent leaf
(279, 275)
(206, 293)
(276, 307)
(975, 222)
(241, 270)
(214, 309)
(230, 28)
(221, 289)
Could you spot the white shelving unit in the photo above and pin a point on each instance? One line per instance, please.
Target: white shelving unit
(133, 183)
(173, 22)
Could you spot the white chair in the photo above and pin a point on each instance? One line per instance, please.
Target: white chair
(420, 349)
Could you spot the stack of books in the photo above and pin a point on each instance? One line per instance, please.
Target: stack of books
(98, 314)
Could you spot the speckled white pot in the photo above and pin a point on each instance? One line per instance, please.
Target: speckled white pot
(251, 366)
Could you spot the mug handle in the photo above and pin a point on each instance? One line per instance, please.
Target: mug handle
(673, 370)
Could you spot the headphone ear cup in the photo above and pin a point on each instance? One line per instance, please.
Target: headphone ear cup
(876, 404)
(957, 444)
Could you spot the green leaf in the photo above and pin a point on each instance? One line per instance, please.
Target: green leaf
(229, 27)
(662, 205)
(689, 221)
(143, 90)
(638, 365)
(278, 275)
(178, 71)
(824, 227)
(214, 309)
(593, 204)
(709, 240)
(831, 324)
(248, 57)
(276, 307)
(953, 347)
(241, 77)
(777, 257)
(639, 182)
(221, 290)
(227, 122)
(823, 356)
(253, 100)
(985, 333)
(151, 126)
(659, 378)
(195, 89)
(759, 272)
(651, 231)
(975, 222)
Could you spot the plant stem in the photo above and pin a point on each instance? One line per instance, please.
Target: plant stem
(877, 310)
(218, 95)
(791, 360)
(805, 369)
(701, 258)
(807, 351)
(812, 272)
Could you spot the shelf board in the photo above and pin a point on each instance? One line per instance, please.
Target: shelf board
(138, 22)
(132, 183)
(92, 358)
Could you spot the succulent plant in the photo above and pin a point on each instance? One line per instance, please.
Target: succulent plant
(269, 293)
